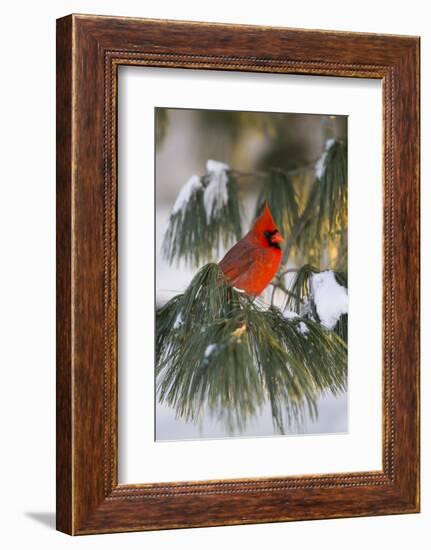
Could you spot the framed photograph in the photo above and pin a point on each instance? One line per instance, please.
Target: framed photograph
(237, 274)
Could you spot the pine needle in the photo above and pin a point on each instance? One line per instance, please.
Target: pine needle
(195, 236)
(217, 350)
(279, 192)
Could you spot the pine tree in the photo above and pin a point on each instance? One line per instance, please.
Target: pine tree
(219, 351)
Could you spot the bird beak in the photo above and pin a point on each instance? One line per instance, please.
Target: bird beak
(277, 238)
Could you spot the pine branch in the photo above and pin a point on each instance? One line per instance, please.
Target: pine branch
(217, 349)
(194, 233)
(197, 235)
(324, 219)
(219, 352)
(280, 195)
(299, 297)
(264, 174)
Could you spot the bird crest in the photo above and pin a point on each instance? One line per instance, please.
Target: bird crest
(265, 222)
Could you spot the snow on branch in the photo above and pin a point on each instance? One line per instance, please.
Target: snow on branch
(216, 192)
(323, 220)
(192, 186)
(329, 297)
(231, 355)
(320, 166)
(321, 296)
(205, 215)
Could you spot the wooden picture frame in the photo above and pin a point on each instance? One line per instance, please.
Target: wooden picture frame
(89, 52)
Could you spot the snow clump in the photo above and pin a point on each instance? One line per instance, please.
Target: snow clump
(216, 193)
(192, 186)
(330, 298)
(320, 167)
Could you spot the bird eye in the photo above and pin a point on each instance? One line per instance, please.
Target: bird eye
(267, 234)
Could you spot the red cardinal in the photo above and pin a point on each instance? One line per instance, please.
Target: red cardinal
(252, 263)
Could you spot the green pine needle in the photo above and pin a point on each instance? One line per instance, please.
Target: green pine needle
(298, 297)
(218, 350)
(322, 223)
(326, 208)
(192, 237)
(279, 192)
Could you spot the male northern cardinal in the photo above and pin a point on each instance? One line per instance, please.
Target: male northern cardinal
(252, 263)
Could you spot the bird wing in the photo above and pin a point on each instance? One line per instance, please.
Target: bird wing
(237, 262)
